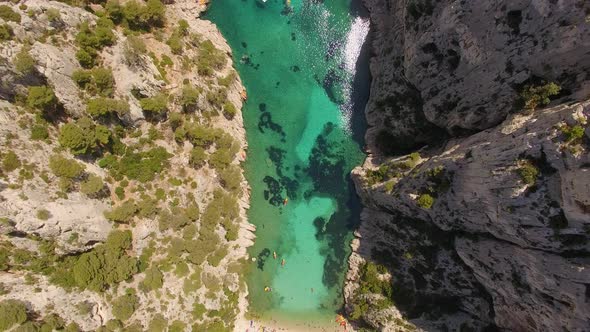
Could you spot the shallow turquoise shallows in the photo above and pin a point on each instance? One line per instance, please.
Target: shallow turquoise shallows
(306, 91)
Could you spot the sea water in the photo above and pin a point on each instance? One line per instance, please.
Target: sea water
(305, 71)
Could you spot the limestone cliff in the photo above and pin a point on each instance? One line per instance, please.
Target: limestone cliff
(122, 199)
(489, 231)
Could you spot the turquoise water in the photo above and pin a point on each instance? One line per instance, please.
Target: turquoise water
(304, 125)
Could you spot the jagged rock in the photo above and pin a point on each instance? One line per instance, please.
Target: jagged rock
(457, 67)
(492, 250)
(58, 65)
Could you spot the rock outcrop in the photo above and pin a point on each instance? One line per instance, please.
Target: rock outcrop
(448, 67)
(491, 230)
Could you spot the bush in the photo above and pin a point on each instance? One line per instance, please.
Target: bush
(210, 59)
(425, 201)
(573, 134)
(175, 42)
(177, 326)
(535, 96)
(189, 98)
(155, 105)
(6, 32)
(7, 14)
(142, 17)
(142, 166)
(229, 110)
(41, 97)
(92, 40)
(24, 62)
(64, 167)
(12, 312)
(84, 136)
(92, 186)
(230, 178)
(124, 306)
(198, 157)
(183, 27)
(122, 213)
(105, 265)
(39, 132)
(10, 161)
(528, 172)
(154, 279)
(103, 107)
(158, 323)
(96, 81)
(133, 50)
(104, 81)
(43, 214)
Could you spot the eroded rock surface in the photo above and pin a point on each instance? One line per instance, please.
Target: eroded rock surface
(492, 251)
(456, 67)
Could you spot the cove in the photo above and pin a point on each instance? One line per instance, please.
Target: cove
(306, 74)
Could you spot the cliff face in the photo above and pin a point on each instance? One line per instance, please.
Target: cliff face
(122, 199)
(491, 230)
(448, 67)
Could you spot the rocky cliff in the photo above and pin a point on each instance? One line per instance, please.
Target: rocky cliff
(448, 67)
(487, 226)
(122, 200)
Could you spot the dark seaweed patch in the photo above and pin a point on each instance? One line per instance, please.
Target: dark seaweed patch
(261, 258)
(265, 122)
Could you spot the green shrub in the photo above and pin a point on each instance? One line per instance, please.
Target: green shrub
(183, 27)
(142, 17)
(189, 98)
(210, 59)
(96, 81)
(177, 326)
(124, 306)
(102, 107)
(215, 258)
(103, 266)
(217, 98)
(229, 110)
(175, 42)
(6, 32)
(425, 201)
(539, 95)
(53, 15)
(133, 51)
(92, 185)
(86, 57)
(12, 312)
(41, 97)
(10, 161)
(142, 166)
(104, 81)
(198, 157)
(122, 213)
(39, 132)
(24, 63)
(573, 134)
(84, 136)
(230, 177)
(528, 172)
(154, 279)
(155, 105)
(43, 214)
(7, 14)
(158, 323)
(227, 80)
(92, 40)
(64, 167)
